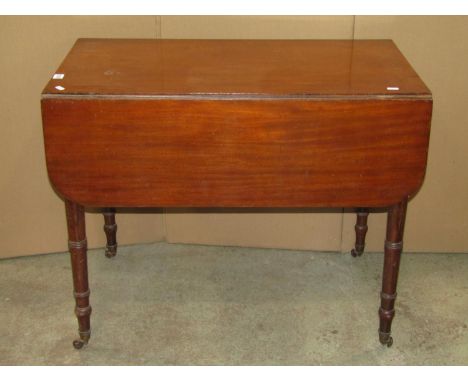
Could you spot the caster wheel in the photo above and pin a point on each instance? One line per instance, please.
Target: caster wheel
(390, 342)
(386, 339)
(110, 254)
(355, 253)
(78, 344)
(111, 251)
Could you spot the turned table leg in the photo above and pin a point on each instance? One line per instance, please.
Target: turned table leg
(78, 247)
(361, 230)
(110, 228)
(393, 248)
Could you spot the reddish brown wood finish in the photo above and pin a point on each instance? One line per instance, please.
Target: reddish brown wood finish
(78, 247)
(361, 231)
(236, 123)
(236, 67)
(393, 248)
(110, 228)
(228, 153)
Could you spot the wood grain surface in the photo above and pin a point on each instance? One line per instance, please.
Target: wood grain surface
(200, 68)
(236, 153)
(230, 123)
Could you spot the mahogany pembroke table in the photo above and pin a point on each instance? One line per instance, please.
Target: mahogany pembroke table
(235, 123)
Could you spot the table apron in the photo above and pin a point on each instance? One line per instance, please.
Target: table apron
(236, 153)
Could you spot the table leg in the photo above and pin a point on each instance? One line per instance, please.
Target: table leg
(361, 230)
(78, 247)
(393, 247)
(110, 228)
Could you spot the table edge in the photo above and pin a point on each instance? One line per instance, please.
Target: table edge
(238, 96)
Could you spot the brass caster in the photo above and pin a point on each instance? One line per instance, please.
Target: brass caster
(390, 342)
(78, 344)
(355, 253)
(386, 339)
(111, 251)
(83, 340)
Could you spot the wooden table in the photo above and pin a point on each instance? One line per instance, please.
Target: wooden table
(236, 123)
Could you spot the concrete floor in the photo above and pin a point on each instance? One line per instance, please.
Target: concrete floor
(166, 304)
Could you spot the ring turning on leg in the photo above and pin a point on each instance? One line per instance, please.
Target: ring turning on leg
(77, 246)
(393, 247)
(361, 230)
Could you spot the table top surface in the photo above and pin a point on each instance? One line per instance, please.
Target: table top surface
(155, 68)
